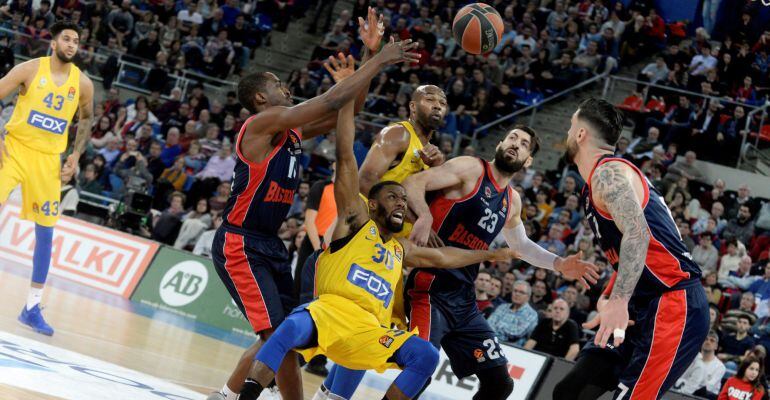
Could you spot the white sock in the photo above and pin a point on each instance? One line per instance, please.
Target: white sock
(33, 299)
(320, 395)
(229, 394)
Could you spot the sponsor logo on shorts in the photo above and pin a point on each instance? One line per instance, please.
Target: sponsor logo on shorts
(183, 283)
(47, 122)
(386, 341)
(479, 355)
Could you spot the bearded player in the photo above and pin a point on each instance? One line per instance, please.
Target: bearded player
(657, 283)
(473, 205)
(249, 257)
(52, 89)
(357, 282)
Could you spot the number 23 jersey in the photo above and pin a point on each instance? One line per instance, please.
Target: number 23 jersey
(364, 269)
(43, 113)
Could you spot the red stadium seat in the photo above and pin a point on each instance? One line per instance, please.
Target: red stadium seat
(764, 133)
(632, 103)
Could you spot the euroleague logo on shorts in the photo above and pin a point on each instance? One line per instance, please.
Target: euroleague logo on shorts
(183, 283)
(386, 341)
(478, 354)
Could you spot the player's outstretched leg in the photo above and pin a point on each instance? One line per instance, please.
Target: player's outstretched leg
(494, 384)
(296, 331)
(41, 261)
(419, 359)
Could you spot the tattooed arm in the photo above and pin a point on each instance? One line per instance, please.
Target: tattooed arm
(618, 189)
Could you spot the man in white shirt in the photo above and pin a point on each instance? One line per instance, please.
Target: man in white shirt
(526, 38)
(703, 62)
(704, 376)
(206, 240)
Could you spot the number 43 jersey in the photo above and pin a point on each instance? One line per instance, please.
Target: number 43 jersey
(364, 269)
(471, 222)
(668, 265)
(43, 113)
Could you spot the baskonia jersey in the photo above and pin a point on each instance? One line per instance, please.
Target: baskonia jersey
(43, 113)
(263, 192)
(471, 222)
(364, 269)
(669, 265)
(411, 162)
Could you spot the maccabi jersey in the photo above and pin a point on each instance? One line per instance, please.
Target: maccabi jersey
(471, 222)
(364, 269)
(411, 162)
(43, 113)
(263, 192)
(669, 265)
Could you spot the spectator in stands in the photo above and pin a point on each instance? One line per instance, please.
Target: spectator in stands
(171, 149)
(654, 72)
(684, 168)
(731, 259)
(733, 346)
(481, 285)
(553, 242)
(218, 169)
(88, 181)
(558, 335)
(541, 296)
(515, 323)
(717, 212)
(642, 147)
(572, 297)
(120, 21)
(111, 151)
(741, 227)
(704, 376)
(166, 226)
(206, 239)
(746, 384)
(706, 255)
(194, 223)
(495, 289)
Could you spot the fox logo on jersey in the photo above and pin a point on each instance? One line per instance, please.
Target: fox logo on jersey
(47, 122)
(372, 283)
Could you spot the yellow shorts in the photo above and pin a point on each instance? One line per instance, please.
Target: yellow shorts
(39, 175)
(351, 336)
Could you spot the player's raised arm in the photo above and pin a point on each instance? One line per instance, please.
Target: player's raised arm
(617, 189)
(278, 118)
(388, 145)
(571, 267)
(351, 209)
(371, 31)
(454, 172)
(450, 257)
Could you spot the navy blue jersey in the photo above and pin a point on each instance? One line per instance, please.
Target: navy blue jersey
(263, 192)
(471, 222)
(669, 265)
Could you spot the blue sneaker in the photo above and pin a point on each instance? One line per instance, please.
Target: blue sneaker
(34, 319)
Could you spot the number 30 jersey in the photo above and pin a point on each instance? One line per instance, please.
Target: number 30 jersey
(43, 113)
(364, 269)
(471, 222)
(669, 265)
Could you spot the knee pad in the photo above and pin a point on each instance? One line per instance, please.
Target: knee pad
(494, 384)
(418, 355)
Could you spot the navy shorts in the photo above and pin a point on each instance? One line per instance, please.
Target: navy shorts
(257, 273)
(463, 332)
(670, 332)
(307, 280)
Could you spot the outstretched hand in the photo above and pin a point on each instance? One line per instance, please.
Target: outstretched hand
(340, 67)
(371, 30)
(572, 267)
(396, 52)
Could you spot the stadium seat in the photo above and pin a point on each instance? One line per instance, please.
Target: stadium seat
(632, 103)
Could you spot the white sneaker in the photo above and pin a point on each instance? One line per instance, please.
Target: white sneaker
(270, 394)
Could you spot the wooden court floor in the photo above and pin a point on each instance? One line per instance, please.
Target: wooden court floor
(111, 332)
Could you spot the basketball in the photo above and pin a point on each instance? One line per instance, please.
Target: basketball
(478, 28)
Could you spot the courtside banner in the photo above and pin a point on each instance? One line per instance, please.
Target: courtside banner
(188, 285)
(82, 252)
(526, 369)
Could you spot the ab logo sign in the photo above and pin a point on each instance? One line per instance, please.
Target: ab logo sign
(183, 283)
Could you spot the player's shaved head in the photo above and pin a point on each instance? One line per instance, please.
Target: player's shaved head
(424, 90)
(428, 107)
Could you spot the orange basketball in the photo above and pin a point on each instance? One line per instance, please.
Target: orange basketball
(478, 28)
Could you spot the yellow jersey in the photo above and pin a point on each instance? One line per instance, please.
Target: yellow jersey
(411, 163)
(43, 113)
(366, 271)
